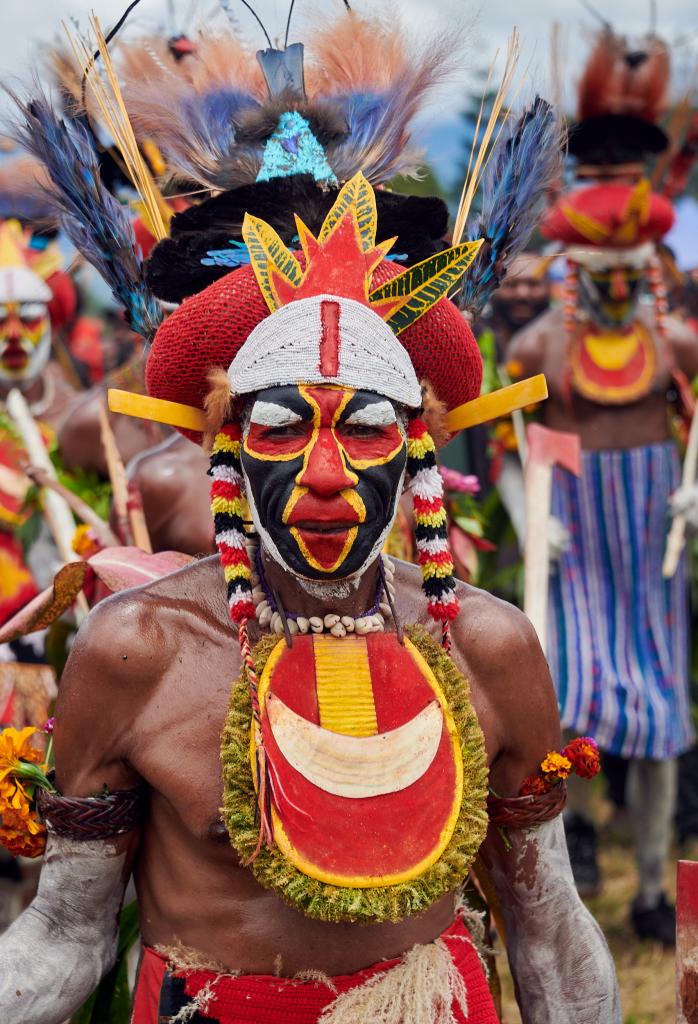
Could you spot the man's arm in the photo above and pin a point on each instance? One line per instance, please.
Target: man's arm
(684, 345)
(55, 953)
(562, 968)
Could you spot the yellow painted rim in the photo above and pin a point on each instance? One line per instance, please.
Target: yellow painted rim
(368, 881)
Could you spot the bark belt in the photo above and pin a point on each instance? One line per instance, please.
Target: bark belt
(526, 811)
(92, 817)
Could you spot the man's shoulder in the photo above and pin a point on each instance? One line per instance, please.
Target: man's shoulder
(679, 333)
(489, 632)
(144, 621)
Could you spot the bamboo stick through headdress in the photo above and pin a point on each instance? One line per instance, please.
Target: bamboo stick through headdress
(116, 120)
(478, 163)
(131, 520)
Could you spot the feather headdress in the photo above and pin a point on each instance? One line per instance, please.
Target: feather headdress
(622, 96)
(622, 79)
(523, 167)
(97, 225)
(363, 84)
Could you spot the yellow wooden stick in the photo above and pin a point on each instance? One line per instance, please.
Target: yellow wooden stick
(187, 417)
(498, 403)
(479, 410)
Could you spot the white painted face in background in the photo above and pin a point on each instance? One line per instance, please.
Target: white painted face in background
(25, 326)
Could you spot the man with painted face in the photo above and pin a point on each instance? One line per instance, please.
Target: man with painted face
(617, 636)
(32, 293)
(316, 725)
(325, 467)
(522, 296)
(355, 758)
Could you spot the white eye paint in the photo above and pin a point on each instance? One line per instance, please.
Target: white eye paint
(378, 414)
(269, 414)
(32, 310)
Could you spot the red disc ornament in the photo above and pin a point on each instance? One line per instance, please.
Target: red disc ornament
(364, 758)
(613, 367)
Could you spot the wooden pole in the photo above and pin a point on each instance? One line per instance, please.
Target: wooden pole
(539, 488)
(130, 518)
(56, 511)
(687, 942)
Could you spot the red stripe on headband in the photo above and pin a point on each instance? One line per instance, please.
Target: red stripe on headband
(329, 338)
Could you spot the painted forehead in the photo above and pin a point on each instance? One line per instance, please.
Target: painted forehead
(284, 405)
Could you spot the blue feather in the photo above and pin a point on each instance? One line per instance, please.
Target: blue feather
(195, 131)
(526, 163)
(236, 256)
(97, 225)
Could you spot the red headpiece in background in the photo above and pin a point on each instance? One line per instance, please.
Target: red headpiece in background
(609, 216)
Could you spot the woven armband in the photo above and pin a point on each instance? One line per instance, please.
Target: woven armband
(526, 811)
(92, 817)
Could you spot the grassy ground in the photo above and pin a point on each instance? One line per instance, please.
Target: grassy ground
(645, 970)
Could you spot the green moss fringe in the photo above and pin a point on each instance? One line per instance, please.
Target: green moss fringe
(334, 903)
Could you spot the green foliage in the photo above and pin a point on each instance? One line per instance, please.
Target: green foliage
(506, 581)
(87, 484)
(110, 1003)
(427, 184)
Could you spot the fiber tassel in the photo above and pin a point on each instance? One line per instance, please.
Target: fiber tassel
(229, 507)
(422, 989)
(431, 533)
(266, 834)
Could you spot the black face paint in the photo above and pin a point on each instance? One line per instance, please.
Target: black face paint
(599, 295)
(324, 466)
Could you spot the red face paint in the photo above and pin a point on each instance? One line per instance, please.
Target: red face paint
(338, 479)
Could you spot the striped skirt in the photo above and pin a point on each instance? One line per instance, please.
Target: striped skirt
(617, 631)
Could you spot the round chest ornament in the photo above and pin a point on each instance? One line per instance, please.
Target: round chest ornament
(613, 367)
(376, 775)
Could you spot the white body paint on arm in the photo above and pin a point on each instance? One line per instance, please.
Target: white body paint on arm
(562, 967)
(56, 952)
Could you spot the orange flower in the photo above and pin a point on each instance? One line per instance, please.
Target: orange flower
(15, 747)
(583, 753)
(84, 542)
(535, 785)
(556, 764)
(23, 844)
(21, 818)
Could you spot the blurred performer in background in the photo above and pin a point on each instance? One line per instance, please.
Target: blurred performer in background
(617, 634)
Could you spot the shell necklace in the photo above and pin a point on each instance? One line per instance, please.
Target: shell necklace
(272, 615)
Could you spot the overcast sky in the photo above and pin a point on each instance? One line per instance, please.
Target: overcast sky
(26, 24)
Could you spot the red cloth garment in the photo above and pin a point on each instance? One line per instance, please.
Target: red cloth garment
(266, 999)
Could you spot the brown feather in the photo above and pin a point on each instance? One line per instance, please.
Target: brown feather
(434, 415)
(218, 404)
(619, 79)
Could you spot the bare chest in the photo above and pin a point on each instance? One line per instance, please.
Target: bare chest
(178, 734)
